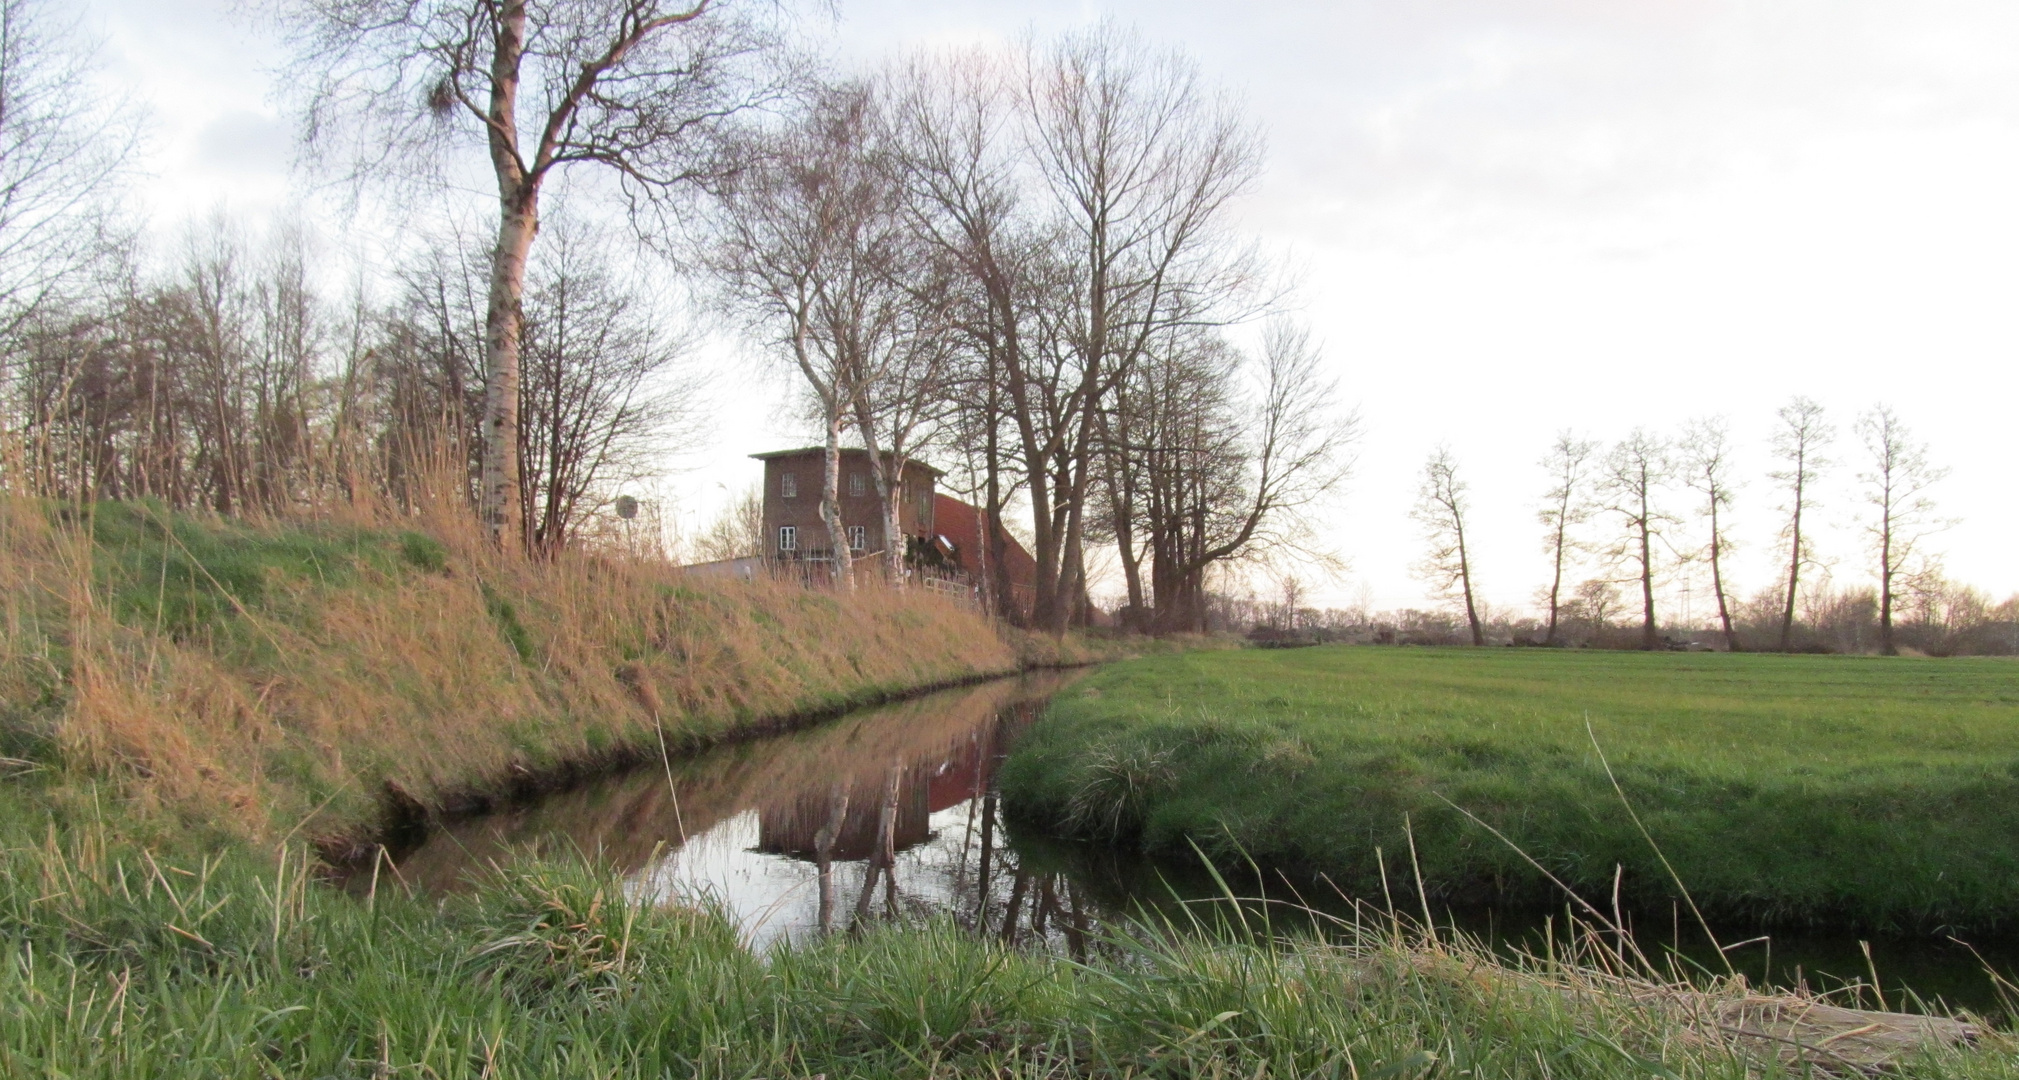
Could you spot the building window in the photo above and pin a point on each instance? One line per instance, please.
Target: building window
(788, 486)
(788, 538)
(924, 507)
(858, 537)
(857, 484)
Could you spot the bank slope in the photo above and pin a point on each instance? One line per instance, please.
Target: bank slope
(271, 680)
(1877, 792)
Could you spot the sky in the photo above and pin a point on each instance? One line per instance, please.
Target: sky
(1503, 219)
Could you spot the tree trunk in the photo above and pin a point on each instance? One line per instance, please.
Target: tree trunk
(1886, 644)
(518, 197)
(843, 566)
(1465, 579)
(1718, 579)
(894, 538)
(1794, 573)
(888, 475)
(1555, 590)
(1648, 638)
(503, 321)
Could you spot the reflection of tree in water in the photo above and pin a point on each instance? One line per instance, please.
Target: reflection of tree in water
(891, 814)
(888, 813)
(892, 811)
(627, 821)
(967, 874)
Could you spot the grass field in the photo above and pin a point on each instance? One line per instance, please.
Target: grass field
(1861, 791)
(186, 702)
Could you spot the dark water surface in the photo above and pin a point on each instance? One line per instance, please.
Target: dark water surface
(892, 812)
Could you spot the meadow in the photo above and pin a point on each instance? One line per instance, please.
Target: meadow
(1864, 792)
(194, 711)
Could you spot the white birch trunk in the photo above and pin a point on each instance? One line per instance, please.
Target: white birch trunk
(498, 499)
(830, 504)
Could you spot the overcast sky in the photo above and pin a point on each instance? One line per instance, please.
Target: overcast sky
(1505, 218)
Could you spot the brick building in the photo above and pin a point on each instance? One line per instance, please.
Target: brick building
(942, 534)
(793, 528)
(959, 532)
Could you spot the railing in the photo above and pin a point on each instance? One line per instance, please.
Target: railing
(949, 588)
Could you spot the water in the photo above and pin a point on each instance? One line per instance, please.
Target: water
(892, 813)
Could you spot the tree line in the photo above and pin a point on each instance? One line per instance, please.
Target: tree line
(1019, 261)
(1636, 514)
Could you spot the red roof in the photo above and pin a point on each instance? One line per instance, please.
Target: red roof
(960, 524)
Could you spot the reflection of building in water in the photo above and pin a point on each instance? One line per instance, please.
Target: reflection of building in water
(793, 826)
(889, 813)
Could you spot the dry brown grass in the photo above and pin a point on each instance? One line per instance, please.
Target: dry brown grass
(302, 714)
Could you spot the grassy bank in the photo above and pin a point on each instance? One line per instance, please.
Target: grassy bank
(1878, 792)
(186, 703)
(122, 963)
(287, 680)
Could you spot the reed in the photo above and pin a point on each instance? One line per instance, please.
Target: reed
(269, 679)
(122, 962)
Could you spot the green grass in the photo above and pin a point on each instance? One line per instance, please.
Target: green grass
(125, 963)
(1881, 793)
(190, 575)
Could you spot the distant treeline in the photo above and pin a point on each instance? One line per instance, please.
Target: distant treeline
(1947, 619)
(1622, 525)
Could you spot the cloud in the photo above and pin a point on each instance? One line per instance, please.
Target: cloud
(243, 141)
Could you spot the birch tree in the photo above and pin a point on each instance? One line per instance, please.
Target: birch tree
(642, 90)
(1565, 506)
(1896, 482)
(797, 252)
(1441, 506)
(63, 154)
(1706, 466)
(1801, 439)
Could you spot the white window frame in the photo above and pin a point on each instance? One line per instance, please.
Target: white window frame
(788, 538)
(858, 537)
(788, 486)
(858, 484)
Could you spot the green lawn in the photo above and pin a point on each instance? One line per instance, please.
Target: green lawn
(1878, 792)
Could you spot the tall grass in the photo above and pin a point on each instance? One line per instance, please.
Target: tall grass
(286, 679)
(121, 963)
(1860, 791)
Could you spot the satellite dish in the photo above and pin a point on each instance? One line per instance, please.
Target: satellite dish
(627, 507)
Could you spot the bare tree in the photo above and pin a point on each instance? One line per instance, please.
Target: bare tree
(1082, 203)
(1441, 506)
(790, 256)
(1706, 465)
(595, 396)
(1566, 505)
(1896, 486)
(1219, 473)
(1800, 442)
(1636, 471)
(736, 533)
(1293, 600)
(63, 153)
(1136, 165)
(640, 88)
(952, 121)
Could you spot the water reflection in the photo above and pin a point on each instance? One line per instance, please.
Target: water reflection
(886, 813)
(892, 813)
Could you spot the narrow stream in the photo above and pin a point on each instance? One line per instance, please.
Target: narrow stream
(892, 812)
